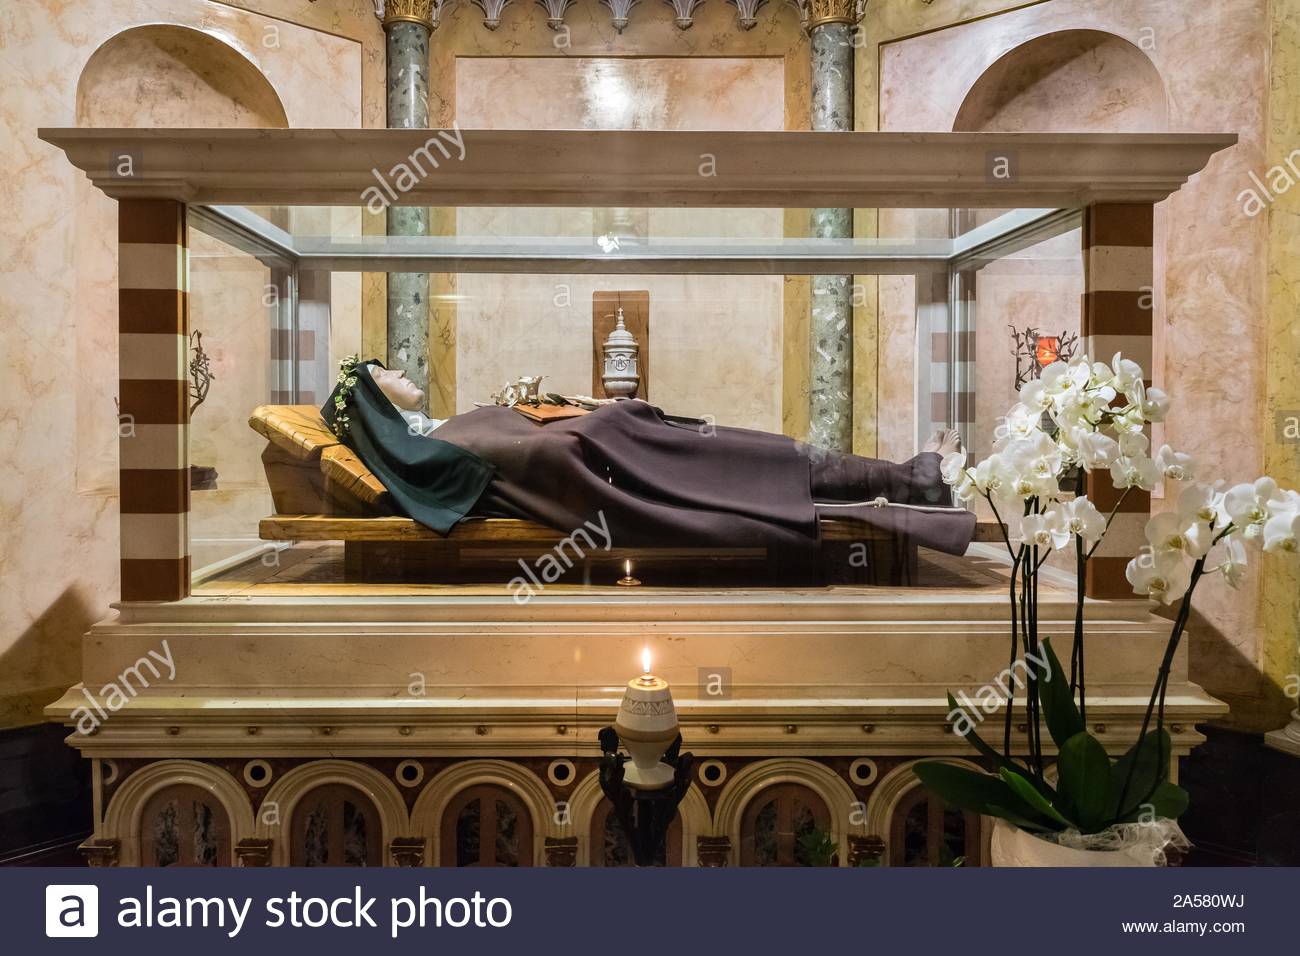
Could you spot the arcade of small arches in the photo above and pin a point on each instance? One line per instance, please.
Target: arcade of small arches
(528, 812)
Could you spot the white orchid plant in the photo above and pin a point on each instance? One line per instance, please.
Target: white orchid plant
(1094, 417)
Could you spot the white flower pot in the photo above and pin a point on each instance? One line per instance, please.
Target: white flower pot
(1012, 846)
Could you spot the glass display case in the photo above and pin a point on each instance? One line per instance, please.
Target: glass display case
(955, 306)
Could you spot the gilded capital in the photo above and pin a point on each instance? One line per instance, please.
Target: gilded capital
(821, 12)
(408, 11)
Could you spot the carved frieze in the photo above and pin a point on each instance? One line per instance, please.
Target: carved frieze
(252, 852)
(685, 10)
(620, 10)
(407, 851)
(713, 850)
(561, 851)
(101, 852)
(747, 12)
(865, 850)
(492, 10)
(555, 10)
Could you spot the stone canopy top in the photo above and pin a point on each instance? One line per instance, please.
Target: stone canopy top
(782, 169)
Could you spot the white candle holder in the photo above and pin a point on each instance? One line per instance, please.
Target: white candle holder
(647, 726)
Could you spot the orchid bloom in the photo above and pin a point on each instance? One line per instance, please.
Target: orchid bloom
(1154, 405)
(1234, 562)
(1134, 473)
(952, 466)
(1171, 531)
(1126, 374)
(1247, 506)
(1034, 394)
(1280, 532)
(1175, 464)
(1133, 444)
(1095, 449)
(1162, 577)
(1204, 503)
(1081, 517)
(1045, 530)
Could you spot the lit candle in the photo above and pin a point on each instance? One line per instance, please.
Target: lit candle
(647, 726)
(627, 580)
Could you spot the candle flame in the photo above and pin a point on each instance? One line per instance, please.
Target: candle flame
(627, 568)
(645, 660)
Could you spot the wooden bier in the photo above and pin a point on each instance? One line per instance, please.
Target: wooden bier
(324, 492)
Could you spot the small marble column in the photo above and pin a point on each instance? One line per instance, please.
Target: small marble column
(830, 413)
(407, 26)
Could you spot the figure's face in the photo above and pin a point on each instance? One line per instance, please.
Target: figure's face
(399, 389)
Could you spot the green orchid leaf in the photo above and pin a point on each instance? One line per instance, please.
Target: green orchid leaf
(1063, 719)
(1169, 802)
(961, 787)
(996, 759)
(1040, 804)
(1084, 768)
(1148, 761)
(978, 792)
(1037, 825)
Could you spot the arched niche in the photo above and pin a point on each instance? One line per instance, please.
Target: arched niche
(588, 806)
(169, 75)
(153, 75)
(133, 808)
(750, 783)
(1069, 81)
(326, 785)
(899, 794)
(437, 803)
(1066, 81)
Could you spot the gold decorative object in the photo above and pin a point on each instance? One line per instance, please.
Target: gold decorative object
(834, 11)
(408, 11)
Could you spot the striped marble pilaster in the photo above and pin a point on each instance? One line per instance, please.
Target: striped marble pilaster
(153, 341)
(1119, 284)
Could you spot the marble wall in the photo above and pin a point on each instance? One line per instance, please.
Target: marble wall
(1212, 60)
(660, 64)
(715, 341)
(322, 65)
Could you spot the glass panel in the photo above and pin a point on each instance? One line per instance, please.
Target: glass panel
(953, 849)
(205, 835)
(316, 842)
(765, 835)
(916, 835)
(805, 834)
(354, 835)
(468, 824)
(166, 836)
(507, 835)
(717, 302)
(618, 852)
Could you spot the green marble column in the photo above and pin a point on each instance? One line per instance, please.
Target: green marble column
(407, 27)
(830, 413)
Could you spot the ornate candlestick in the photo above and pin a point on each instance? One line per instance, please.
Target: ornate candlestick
(620, 376)
(645, 795)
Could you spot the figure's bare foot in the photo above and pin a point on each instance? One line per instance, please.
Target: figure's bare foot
(945, 441)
